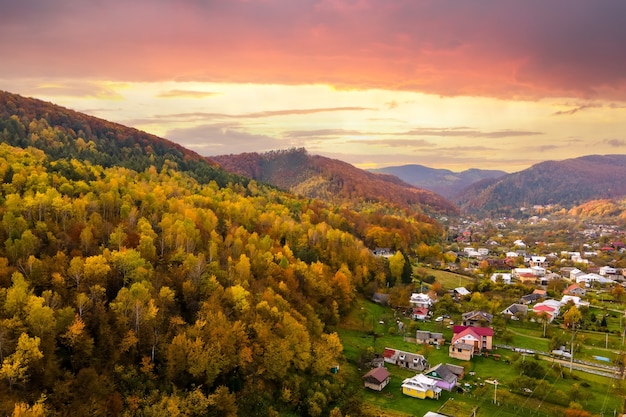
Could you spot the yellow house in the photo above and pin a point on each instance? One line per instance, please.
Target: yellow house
(420, 386)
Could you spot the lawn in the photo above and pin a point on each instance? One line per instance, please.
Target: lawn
(363, 335)
(448, 279)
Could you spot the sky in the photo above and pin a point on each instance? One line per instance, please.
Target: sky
(446, 84)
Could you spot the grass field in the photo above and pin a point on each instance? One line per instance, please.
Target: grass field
(363, 335)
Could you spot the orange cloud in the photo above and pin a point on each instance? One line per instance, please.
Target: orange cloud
(561, 48)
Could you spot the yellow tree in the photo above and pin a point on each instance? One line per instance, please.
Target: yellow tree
(15, 367)
(396, 266)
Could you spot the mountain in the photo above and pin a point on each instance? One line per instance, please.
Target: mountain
(566, 183)
(137, 275)
(441, 181)
(64, 134)
(331, 180)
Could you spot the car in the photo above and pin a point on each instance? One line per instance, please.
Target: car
(439, 318)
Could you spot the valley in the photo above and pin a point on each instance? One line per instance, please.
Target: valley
(140, 278)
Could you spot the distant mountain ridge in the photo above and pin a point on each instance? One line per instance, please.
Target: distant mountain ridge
(329, 179)
(441, 181)
(567, 183)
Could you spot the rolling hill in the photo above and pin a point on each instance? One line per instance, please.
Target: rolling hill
(441, 181)
(331, 180)
(566, 183)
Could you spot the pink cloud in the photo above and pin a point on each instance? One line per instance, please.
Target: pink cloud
(503, 49)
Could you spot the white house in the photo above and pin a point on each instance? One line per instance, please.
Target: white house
(588, 279)
(420, 300)
(575, 273)
(519, 243)
(576, 300)
(462, 291)
(504, 277)
(538, 271)
(607, 270)
(538, 261)
(483, 251)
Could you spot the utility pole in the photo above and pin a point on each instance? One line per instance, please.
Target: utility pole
(495, 391)
(571, 358)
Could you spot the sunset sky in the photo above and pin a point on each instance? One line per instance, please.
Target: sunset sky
(446, 84)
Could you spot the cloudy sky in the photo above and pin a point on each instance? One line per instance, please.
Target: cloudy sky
(447, 84)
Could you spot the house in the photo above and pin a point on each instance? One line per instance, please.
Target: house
(545, 280)
(541, 310)
(377, 378)
(462, 351)
(574, 299)
(589, 279)
(576, 290)
(421, 386)
(538, 271)
(530, 298)
(404, 359)
(477, 318)
(383, 252)
(539, 261)
(527, 278)
(461, 292)
(420, 300)
(503, 277)
(575, 273)
(551, 308)
(446, 379)
(390, 355)
(607, 271)
(413, 361)
(515, 311)
(419, 313)
(423, 337)
(478, 339)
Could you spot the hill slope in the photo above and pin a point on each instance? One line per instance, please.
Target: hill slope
(441, 181)
(331, 180)
(64, 134)
(567, 183)
(125, 283)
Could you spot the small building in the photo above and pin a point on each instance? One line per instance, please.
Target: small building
(461, 292)
(446, 379)
(413, 361)
(377, 379)
(462, 351)
(390, 355)
(423, 337)
(515, 311)
(477, 318)
(503, 277)
(419, 313)
(575, 290)
(530, 298)
(420, 386)
(383, 252)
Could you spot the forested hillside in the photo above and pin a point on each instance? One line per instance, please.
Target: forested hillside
(158, 290)
(333, 180)
(566, 183)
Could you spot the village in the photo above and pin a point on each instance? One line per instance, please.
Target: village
(561, 308)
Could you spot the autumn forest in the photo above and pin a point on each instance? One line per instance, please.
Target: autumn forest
(137, 278)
